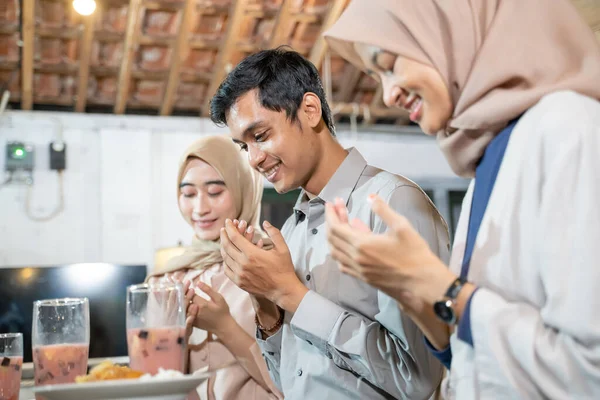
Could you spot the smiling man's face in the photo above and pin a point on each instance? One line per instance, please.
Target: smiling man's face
(280, 149)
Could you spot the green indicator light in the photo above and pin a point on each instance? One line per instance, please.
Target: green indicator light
(19, 152)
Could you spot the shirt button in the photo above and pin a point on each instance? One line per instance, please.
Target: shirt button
(299, 372)
(314, 231)
(308, 277)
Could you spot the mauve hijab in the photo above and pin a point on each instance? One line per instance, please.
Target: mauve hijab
(497, 57)
(244, 184)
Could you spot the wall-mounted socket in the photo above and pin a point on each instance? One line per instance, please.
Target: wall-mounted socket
(58, 156)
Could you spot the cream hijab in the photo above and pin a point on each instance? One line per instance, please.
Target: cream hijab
(244, 184)
(497, 57)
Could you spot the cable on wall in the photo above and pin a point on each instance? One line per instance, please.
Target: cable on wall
(57, 210)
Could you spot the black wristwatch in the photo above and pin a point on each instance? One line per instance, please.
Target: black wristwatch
(444, 309)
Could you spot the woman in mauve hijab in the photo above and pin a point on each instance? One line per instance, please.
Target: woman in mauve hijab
(215, 182)
(510, 90)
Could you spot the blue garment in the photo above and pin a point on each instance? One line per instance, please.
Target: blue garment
(485, 177)
(444, 356)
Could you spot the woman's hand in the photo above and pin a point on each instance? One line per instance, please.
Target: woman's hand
(248, 232)
(398, 262)
(211, 315)
(188, 301)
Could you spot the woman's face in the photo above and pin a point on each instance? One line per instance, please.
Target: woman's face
(204, 200)
(410, 85)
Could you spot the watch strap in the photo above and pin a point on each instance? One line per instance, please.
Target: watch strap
(455, 288)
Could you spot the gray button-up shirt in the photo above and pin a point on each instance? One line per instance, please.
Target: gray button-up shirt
(348, 340)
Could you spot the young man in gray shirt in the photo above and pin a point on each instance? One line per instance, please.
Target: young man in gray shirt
(323, 334)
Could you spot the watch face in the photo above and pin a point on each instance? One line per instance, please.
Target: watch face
(444, 311)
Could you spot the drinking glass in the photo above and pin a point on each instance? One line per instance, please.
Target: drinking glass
(60, 340)
(156, 336)
(11, 365)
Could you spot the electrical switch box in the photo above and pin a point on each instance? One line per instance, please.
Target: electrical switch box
(19, 157)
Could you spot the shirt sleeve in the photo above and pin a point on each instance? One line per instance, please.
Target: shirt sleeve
(388, 351)
(552, 351)
(273, 391)
(271, 352)
(444, 355)
(464, 325)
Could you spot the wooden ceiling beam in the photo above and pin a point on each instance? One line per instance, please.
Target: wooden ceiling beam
(282, 25)
(228, 46)
(156, 40)
(149, 75)
(260, 13)
(62, 100)
(134, 17)
(306, 18)
(350, 82)
(162, 6)
(9, 65)
(180, 53)
(198, 77)
(27, 35)
(200, 44)
(376, 112)
(104, 71)
(104, 36)
(378, 97)
(215, 9)
(60, 69)
(248, 47)
(319, 49)
(85, 51)
(9, 29)
(60, 33)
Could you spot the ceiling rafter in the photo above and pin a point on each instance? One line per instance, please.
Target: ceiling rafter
(85, 51)
(375, 112)
(282, 25)
(317, 54)
(180, 53)
(141, 54)
(228, 46)
(27, 36)
(350, 82)
(134, 15)
(377, 97)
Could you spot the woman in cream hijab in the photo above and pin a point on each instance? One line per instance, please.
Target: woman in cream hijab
(510, 89)
(214, 183)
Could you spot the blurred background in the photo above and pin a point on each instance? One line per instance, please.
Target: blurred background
(100, 98)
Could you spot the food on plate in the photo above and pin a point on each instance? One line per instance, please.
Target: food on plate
(163, 374)
(107, 371)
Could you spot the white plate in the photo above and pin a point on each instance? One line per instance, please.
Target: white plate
(164, 389)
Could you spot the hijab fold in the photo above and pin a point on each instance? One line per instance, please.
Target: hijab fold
(498, 58)
(245, 186)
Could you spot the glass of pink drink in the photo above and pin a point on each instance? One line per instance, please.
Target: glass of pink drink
(11, 364)
(60, 340)
(156, 327)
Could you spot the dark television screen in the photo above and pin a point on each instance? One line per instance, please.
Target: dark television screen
(103, 284)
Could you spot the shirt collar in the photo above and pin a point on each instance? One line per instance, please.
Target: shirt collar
(341, 184)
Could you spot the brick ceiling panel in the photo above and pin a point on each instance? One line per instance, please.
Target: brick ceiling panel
(165, 56)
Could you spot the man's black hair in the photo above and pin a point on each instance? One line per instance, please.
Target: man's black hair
(281, 76)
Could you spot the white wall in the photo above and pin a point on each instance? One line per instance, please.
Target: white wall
(119, 185)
